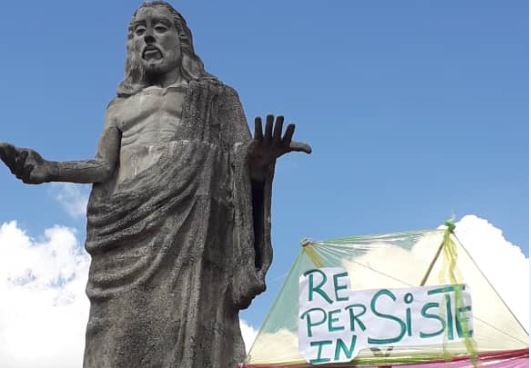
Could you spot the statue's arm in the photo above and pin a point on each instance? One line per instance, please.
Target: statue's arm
(91, 171)
(266, 146)
(29, 166)
(269, 144)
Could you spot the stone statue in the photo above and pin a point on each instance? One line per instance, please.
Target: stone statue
(178, 221)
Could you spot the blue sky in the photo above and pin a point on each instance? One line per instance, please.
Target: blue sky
(416, 110)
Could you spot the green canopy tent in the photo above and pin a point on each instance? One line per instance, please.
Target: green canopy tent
(404, 260)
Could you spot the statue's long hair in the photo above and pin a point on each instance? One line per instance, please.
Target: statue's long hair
(191, 66)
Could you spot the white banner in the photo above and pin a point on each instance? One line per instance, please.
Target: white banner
(335, 322)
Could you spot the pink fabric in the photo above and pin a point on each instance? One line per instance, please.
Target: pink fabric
(503, 359)
(494, 363)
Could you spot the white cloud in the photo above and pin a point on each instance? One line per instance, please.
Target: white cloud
(503, 263)
(44, 309)
(248, 333)
(278, 347)
(73, 198)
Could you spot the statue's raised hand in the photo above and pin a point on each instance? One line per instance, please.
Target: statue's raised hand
(25, 164)
(269, 145)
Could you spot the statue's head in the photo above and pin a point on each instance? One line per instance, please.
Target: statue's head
(159, 44)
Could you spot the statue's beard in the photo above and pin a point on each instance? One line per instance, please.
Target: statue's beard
(153, 74)
(152, 71)
(149, 72)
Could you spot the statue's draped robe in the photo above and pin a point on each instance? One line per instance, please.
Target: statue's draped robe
(174, 255)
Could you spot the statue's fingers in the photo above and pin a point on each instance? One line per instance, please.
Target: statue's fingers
(290, 130)
(3, 151)
(258, 134)
(9, 156)
(21, 160)
(300, 147)
(277, 132)
(27, 170)
(25, 175)
(3, 148)
(10, 150)
(11, 166)
(269, 128)
(33, 177)
(21, 163)
(8, 153)
(18, 170)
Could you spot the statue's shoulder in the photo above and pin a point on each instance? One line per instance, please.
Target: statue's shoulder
(115, 103)
(114, 110)
(216, 86)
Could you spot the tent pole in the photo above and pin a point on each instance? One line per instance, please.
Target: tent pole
(430, 268)
(492, 286)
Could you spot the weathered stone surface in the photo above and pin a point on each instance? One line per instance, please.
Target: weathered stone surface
(179, 215)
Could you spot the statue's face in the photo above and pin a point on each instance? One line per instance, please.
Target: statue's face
(156, 41)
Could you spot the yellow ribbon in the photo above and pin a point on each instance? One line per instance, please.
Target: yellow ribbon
(309, 249)
(450, 272)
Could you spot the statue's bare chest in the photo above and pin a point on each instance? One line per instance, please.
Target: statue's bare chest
(151, 117)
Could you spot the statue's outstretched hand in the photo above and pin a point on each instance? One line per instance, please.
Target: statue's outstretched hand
(269, 145)
(25, 164)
